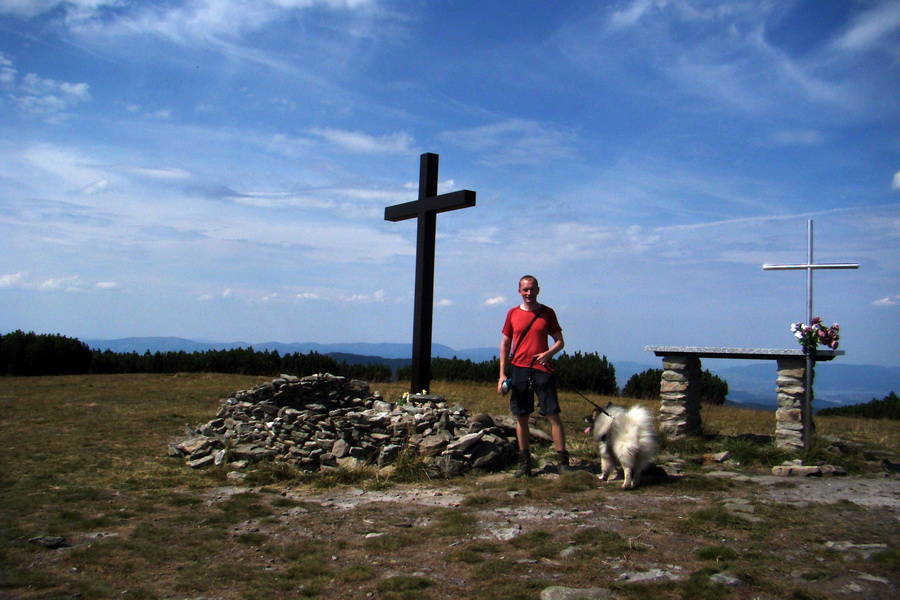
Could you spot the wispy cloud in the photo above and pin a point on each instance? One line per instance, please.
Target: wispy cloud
(363, 143)
(875, 27)
(514, 142)
(888, 301)
(12, 280)
(495, 301)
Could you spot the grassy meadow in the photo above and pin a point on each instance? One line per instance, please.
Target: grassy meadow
(84, 459)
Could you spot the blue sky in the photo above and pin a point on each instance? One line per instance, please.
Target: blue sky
(219, 169)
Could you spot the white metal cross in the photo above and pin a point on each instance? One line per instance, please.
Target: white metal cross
(809, 267)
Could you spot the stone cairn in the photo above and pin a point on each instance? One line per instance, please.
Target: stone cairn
(679, 408)
(791, 387)
(324, 421)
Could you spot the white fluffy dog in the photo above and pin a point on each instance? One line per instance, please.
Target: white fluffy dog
(625, 437)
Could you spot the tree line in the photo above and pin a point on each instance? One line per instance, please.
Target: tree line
(586, 372)
(886, 408)
(29, 354)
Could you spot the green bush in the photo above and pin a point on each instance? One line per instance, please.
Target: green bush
(645, 385)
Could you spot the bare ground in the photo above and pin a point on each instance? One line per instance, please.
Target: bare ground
(772, 537)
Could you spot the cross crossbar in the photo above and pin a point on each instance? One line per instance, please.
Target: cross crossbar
(437, 204)
(800, 267)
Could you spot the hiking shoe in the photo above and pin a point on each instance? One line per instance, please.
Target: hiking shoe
(524, 469)
(562, 466)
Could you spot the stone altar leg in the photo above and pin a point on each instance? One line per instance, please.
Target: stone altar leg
(679, 396)
(791, 391)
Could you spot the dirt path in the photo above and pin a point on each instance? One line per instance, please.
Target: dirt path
(778, 537)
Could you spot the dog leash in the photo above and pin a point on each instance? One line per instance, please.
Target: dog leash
(550, 368)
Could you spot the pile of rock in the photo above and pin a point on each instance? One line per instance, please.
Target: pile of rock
(324, 421)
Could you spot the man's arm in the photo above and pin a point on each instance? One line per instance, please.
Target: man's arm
(558, 344)
(505, 346)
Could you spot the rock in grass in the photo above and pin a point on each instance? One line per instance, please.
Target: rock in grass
(51, 543)
(558, 592)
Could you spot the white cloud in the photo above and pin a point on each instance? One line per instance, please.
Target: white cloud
(107, 285)
(7, 72)
(799, 137)
(444, 302)
(888, 301)
(33, 8)
(495, 301)
(204, 20)
(895, 184)
(363, 143)
(12, 280)
(514, 141)
(308, 296)
(39, 97)
(95, 187)
(68, 284)
(377, 296)
(168, 174)
(871, 27)
(160, 115)
(630, 15)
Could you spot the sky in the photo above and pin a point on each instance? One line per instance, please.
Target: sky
(218, 169)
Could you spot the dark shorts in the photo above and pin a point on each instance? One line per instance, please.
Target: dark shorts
(521, 399)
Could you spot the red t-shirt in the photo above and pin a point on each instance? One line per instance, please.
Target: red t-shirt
(535, 342)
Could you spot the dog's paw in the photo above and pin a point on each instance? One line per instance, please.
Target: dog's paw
(628, 485)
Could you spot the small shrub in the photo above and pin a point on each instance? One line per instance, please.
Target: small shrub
(716, 553)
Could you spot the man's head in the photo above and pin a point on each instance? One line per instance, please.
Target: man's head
(529, 289)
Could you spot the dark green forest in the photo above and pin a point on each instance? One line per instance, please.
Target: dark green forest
(28, 354)
(713, 389)
(886, 408)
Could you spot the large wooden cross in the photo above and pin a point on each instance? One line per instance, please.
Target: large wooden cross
(425, 209)
(809, 267)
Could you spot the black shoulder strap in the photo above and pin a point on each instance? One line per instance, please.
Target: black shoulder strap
(537, 313)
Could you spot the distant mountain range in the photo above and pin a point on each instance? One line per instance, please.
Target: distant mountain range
(750, 385)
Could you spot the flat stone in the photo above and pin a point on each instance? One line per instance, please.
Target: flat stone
(796, 471)
(557, 592)
(726, 579)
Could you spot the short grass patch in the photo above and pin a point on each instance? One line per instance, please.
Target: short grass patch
(716, 553)
(85, 459)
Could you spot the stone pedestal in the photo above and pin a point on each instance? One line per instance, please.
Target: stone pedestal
(679, 395)
(791, 386)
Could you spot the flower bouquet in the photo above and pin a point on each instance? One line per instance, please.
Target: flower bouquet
(816, 333)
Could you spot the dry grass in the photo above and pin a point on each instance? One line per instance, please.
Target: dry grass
(85, 458)
(718, 420)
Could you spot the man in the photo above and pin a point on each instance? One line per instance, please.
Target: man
(525, 333)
